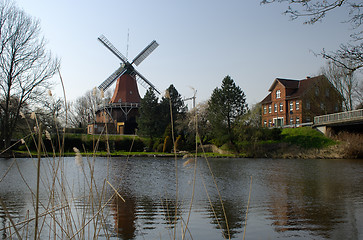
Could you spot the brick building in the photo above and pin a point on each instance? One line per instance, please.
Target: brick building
(293, 102)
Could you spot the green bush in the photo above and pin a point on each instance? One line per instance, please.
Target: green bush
(258, 134)
(160, 147)
(168, 144)
(179, 143)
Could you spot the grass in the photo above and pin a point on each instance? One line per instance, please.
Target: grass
(306, 137)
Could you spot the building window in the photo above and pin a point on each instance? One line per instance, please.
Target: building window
(281, 107)
(265, 123)
(278, 94)
(336, 108)
(307, 104)
(317, 91)
(327, 93)
(291, 105)
(291, 120)
(269, 108)
(270, 123)
(275, 107)
(308, 119)
(297, 105)
(264, 109)
(297, 120)
(322, 106)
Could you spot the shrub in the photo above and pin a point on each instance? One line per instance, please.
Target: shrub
(160, 147)
(354, 146)
(179, 143)
(168, 144)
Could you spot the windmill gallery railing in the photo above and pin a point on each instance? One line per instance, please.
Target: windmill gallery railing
(118, 105)
(354, 115)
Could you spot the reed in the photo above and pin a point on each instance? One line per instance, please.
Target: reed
(65, 213)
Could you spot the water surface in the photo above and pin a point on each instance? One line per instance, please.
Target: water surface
(290, 199)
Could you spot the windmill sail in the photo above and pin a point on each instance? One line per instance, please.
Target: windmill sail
(112, 48)
(126, 67)
(121, 70)
(144, 53)
(144, 82)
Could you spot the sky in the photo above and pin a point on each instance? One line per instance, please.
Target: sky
(201, 42)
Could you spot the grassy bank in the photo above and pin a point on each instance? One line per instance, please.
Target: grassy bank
(303, 142)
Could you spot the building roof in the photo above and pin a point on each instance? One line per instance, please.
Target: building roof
(298, 87)
(267, 99)
(288, 83)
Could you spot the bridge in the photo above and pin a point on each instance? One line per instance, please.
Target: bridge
(350, 121)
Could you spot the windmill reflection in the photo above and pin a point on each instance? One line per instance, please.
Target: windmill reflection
(124, 214)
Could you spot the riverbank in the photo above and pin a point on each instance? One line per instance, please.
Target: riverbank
(275, 151)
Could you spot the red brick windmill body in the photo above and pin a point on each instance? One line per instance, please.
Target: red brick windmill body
(120, 113)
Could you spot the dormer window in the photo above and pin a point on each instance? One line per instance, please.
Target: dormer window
(278, 94)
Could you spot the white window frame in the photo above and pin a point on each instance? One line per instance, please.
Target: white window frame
(291, 105)
(264, 109)
(297, 105)
(278, 94)
(275, 107)
(280, 119)
(281, 106)
(269, 108)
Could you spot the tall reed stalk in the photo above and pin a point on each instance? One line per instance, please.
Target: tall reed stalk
(64, 213)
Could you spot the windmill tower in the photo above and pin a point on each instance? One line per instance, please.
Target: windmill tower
(120, 113)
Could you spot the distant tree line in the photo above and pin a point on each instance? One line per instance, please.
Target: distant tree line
(212, 122)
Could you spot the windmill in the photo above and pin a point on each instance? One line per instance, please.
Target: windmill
(126, 75)
(119, 115)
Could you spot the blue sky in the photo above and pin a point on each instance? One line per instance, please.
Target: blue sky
(200, 42)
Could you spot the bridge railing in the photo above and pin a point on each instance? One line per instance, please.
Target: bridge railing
(339, 117)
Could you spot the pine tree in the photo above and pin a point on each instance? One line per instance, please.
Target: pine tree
(224, 107)
(149, 120)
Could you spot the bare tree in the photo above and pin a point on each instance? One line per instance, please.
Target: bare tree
(51, 113)
(196, 122)
(83, 109)
(25, 65)
(315, 10)
(345, 82)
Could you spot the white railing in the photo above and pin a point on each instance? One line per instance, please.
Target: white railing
(339, 117)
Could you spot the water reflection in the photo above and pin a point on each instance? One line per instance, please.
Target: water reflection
(299, 199)
(124, 214)
(310, 198)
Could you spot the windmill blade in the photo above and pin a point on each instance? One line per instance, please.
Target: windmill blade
(112, 48)
(144, 82)
(121, 70)
(144, 53)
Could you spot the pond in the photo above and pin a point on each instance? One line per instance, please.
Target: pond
(152, 198)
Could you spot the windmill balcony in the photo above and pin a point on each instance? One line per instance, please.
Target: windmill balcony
(118, 105)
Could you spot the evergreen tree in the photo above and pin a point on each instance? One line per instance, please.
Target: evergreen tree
(149, 118)
(224, 107)
(178, 107)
